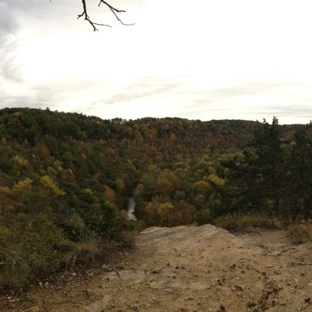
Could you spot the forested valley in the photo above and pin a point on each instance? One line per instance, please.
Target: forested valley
(66, 181)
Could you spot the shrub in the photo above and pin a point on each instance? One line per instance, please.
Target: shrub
(32, 252)
(35, 247)
(300, 233)
(243, 221)
(82, 253)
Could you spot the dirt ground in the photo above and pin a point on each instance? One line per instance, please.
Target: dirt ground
(185, 269)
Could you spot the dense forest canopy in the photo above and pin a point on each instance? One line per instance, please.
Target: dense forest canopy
(66, 180)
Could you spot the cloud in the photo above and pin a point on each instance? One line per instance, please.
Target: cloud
(292, 91)
(207, 61)
(145, 87)
(12, 12)
(286, 100)
(9, 23)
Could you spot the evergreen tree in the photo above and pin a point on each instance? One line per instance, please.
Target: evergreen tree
(269, 165)
(301, 171)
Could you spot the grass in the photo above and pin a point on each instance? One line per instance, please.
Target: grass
(240, 222)
(297, 233)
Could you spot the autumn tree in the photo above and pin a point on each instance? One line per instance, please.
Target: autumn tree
(74, 174)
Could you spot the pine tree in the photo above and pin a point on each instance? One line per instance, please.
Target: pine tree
(301, 171)
(269, 164)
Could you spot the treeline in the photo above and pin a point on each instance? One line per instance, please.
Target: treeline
(66, 179)
(271, 175)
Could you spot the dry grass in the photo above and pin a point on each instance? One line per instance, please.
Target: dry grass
(300, 233)
(243, 221)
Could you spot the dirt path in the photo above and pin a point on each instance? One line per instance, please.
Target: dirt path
(188, 269)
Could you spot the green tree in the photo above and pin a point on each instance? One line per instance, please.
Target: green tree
(269, 164)
(300, 191)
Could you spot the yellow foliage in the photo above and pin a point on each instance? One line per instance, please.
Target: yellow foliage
(212, 170)
(5, 190)
(163, 185)
(164, 211)
(216, 180)
(139, 190)
(201, 187)
(20, 162)
(57, 165)
(23, 185)
(50, 184)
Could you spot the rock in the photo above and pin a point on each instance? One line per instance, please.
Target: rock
(99, 305)
(93, 293)
(110, 276)
(169, 285)
(279, 309)
(106, 268)
(135, 307)
(135, 276)
(167, 273)
(185, 269)
(198, 285)
(33, 309)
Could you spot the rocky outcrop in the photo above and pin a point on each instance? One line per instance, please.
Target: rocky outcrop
(188, 269)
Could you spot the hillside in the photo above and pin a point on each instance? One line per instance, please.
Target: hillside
(66, 181)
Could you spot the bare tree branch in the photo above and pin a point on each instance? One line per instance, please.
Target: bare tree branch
(93, 24)
(115, 11)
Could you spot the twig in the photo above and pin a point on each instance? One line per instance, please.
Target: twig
(6, 254)
(115, 11)
(93, 24)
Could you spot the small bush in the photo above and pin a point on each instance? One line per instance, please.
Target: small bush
(127, 239)
(35, 247)
(300, 233)
(228, 222)
(32, 252)
(83, 253)
(243, 221)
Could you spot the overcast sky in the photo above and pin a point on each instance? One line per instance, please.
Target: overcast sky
(211, 59)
